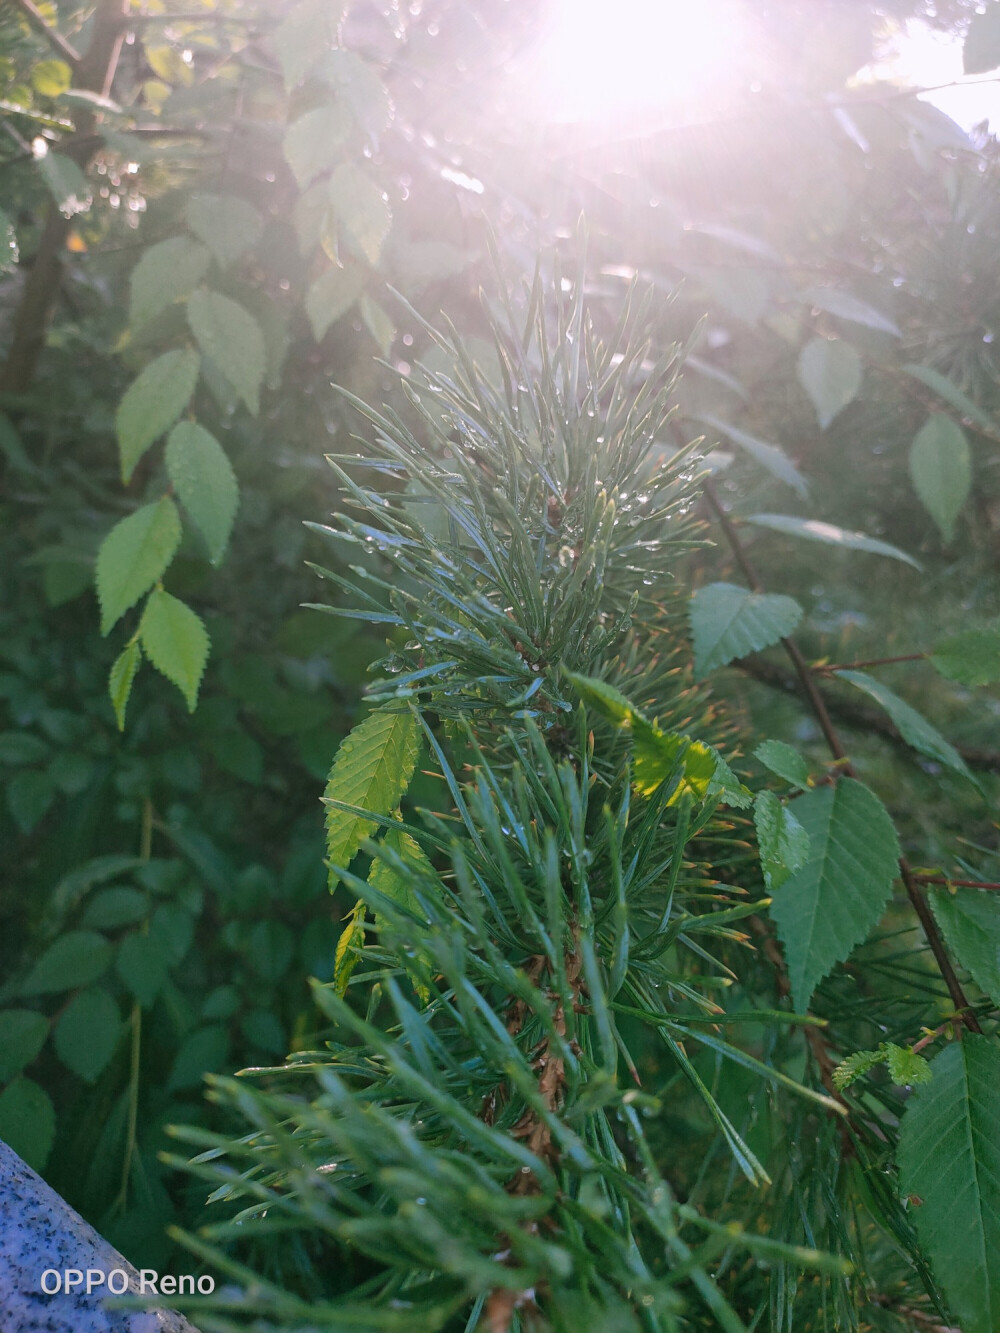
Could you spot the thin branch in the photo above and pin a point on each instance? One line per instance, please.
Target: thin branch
(956, 883)
(55, 39)
(871, 662)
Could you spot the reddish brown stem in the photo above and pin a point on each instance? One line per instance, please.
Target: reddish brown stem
(872, 662)
(957, 883)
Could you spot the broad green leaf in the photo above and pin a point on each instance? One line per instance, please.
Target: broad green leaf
(944, 388)
(305, 36)
(783, 842)
(111, 908)
(142, 965)
(66, 182)
(830, 372)
(176, 642)
(204, 1052)
(784, 761)
(728, 622)
(120, 678)
(29, 796)
(21, 747)
(769, 456)
(349, 947)
(941, 470)
(87, 1032)
(74, 959)
(981, 49)
(371, 771)
(971, 658)
(313, 143)
(360, 210)
(830, 904)
(133, 556)
(970, 922)
(232, 339)
(949, 1158)
(22, 1036)
(27, 1121)
(226, 223)
(358, 83)
(906, 1067)
(388, 880)
(153, 402)
(845, 306)
(378, 323)
(911, 725)
(813, 530)
(205, 483)
(332, 294)
(167, 272)
(51, 78)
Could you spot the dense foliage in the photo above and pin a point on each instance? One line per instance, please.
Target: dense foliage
(659, 984)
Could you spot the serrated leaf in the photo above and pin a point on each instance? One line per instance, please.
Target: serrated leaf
(176, 642)
(120, 678)
(784, 761)
(305, 36)
(845, 306)
(783, 842)
(231, 339)
(378, 323)
(133, 556)
(941, 471)
(371, 771)
(830, 372)
(313, 143)
(358, 83)
(970, 922)
(153, 402)
(911, 725)
(167, 272)
(944, 388)
(728, 622)
(74, 959)
(854, 1067)
(226, 223)
(388, 880)
(981, 49)
(811, 529)
(830, 904)
(142, 966)
(22, 1036)
(332, 294)
(906, 1067)
(971, 658)
(949, 1157)
(66, 183)
(205, 483)
(770, 456)
(87, 1032)
(360, 210)
(27, 1121)
(349, 947)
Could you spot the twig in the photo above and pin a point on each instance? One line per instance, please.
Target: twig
(55, 39)
(956, 883)
(871, 662)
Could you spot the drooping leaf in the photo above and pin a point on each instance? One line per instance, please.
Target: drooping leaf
(360, 210)
(846, 306)
(728, 622)
(981, 49)
(912, 726)
(176, 642)
(784, 761)
(226, 223)
(332, 294)
(74, 959)
(770, 456)
(27, 1121)
(66, 183)
(205, 483)
(941, 470)
(120, 678)
(231, 339)
(22, 1036)
(813, 530)
(372, 770)
(142, 965)
(830, 903)
(830, 372)
(133, 556)
(313, 143)
(349, 947)
(971, 658)
(167, 272)
(949, 1158)
(970, 922)
(783, 842)
(87, 1032)
(153, 402)
(358, 83)
(944, 388)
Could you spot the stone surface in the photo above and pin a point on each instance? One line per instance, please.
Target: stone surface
(38, 1232)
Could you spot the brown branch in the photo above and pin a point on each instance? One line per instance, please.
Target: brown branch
(871, 662)
(55, 39)
(956, 883)
(818, 705)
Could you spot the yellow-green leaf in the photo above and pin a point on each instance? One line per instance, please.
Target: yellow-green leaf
(133, 556)
(120, 679)
(176, 642)
(153, 402)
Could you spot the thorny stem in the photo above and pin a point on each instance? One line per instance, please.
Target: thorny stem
(808, 683)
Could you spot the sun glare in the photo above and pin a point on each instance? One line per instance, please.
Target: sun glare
(610, 60)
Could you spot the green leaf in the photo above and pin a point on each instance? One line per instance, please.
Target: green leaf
(949, 1157)
(911, 725)
(271, 945)
(27, 1121)
(830, 904)
(970, 922)
(360, 210)
(854, 1067)
(153, 402)
(231, 339)
(349, 947)
(944, 388)
(29, 796)
(332, 294)
(906, 1067)
(388, 880)
(728, 622)
(769, 456)
(133, 556)
(358, 83)
(845, 306)
(314, 143)
(22, 1036)
(142, 966)
(981, 49)
(176, 642)
(784, 761)
(66, 183)
(167, 272)
(21, 747)
(74, 959)
(204, 1052)
(227, 224)
(941, 470)
(304, 37)
(783, 842)
(813, 530)
(87, 1033)
(205, 483)
(971, 658)
(51, 78)
(120, 678)
(372, 770)
(830, 372)
(115, 907)
(378, 323)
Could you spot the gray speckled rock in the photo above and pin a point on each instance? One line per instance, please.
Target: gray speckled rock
(39, 1233)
